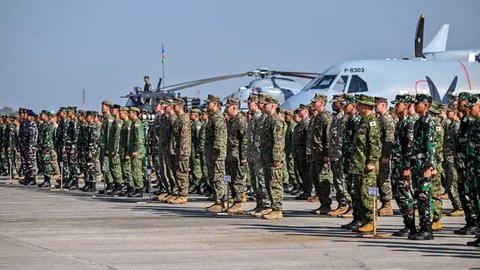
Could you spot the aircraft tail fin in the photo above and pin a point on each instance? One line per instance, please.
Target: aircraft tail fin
(439, 41)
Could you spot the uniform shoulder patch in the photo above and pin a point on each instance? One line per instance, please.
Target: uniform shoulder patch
(137, 124)
(373, 123)
(439, 129)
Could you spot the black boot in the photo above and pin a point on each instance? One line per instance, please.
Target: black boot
(351, 225)
(109, 189)
(146, 186)
(118, 189)
(73, 184)
(23, 181)
(425, 232)
(138, 193)
(30, 182)
(475, 243)
(46, 182)
(92, 187)
(468, 229)
(85, 187)
(408, 230)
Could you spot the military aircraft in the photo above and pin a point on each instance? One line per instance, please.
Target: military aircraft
(434, 69)
(275, 83)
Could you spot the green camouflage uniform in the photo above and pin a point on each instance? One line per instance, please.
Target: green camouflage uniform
(3, 156)
(451, 175)
(437, 179)
(169, 158)
(292, 178)
(113, 148)
(61, 141)
(136, 144)
(387, 130)
(71, 147)
(318, 149)
(180, 149)
(91, 143)
(104, 136)
(215, 152)
(351, 126)
(473, 156)
(45, 143)
(366, 149)
(236, 152)
(273, 150)
(195, 161)
(299, 144)
(124, 154)
(423, 158)
(336, 160)
(257, 175)
(201, 151)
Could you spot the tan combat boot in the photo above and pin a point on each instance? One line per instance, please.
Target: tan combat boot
(386, 209)
(172, 198)
(216, 208)
(236, 209)
(161, 196)
(340, 210)
(179, 200)
(313, 199)
(274, 214)
(263, 212)
(348, 214)
(244, 198)
(167, 198)
(437, 225)
(456, 213)
(444, 196)
(365, 228)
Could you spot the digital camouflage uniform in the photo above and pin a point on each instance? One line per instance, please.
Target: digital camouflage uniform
(273, 150)
(180, 149)
(136, 144)
(92, 139)
(387, 130)
(437, 178)
(215, 152)
(45, 144)
(113, 148)
(201, 152)
(290, 164)
(124, 153)
(236, 152)
(336, 159)
(451, 175)
(299, 144)
(366, 149)
(30, 148)
(195, 161)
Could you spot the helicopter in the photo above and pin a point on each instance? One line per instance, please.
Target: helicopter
(275, 83)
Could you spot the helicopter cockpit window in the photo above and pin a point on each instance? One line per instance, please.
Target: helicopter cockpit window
(340, 84)
(357, 85)
(324, 83)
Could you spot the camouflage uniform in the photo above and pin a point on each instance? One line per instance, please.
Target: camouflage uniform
(104, 136)
(92, 139)
(423, 158)
(215, 151)
(11, 149)
(290, 165)
(299, 144)
(30, 148)
(318, 149)
(3, 156)
(473, 162)
(155, 150)
(45, 144)
(366, 149)
(113, 148)
(236, 152)
(336, 159)
(451, 175)
(387, 130)
(273, 150)
(195, 161)
(61, 138)
(136, 144)
(169, 158)
(124, 154)
(351, 126)
(437, 178)
(71, 145)
(201, 152)
(180, 149)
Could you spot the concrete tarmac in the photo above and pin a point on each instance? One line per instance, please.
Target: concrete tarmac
(43, 229)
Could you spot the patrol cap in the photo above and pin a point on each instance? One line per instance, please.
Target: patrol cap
(302, 107)
(269, 99)
(231, 101)
(134, 109)
(423, 98)
(179, 101)
(402, 98)
(434, 108)
(442, 107)
(107, 102)
(381, 99)
(115, 106)
(318, 97)
(366, 100)
(261, 97)
(82, 113)
(212, 98)
(197, 111)
(474, 100)
(282, 111)
(336, 98)
(205, 111)
(91, 113)
(31, 113)
(252, 98)
(452, 108)
(124, 109)
(290, 113)
(464, 96)
(47, 113)
(348, 99)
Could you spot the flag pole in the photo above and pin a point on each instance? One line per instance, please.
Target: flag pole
(163, 65)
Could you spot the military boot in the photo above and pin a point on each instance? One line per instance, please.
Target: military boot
(109, 189)
(475, 243)
(366, 227)
(85, 186)
(263, 212)
(179, 200)
(138, 193)
(313, 199)
(31, 182)
(73, 184)
(46, 182)
(348, 214)
(23, 181)
(386, 209)
(341, 209)
(456, 213)
(92, 187)
(236, 208)
(304, 196)
(118, 189)
(409, 229)
(468, 229)
(217, 208)
(351, 225)
(425, 232)
(274, 214)
(437, 226)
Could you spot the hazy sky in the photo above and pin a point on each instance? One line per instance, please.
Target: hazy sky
(50, 50)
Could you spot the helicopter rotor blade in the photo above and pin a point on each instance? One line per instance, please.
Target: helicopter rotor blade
(180, 86)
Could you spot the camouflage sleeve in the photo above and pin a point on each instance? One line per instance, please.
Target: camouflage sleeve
(201, 139)
(387, 146)
(220, 137)
(278, 140)
(137, 140)
(374, 142)
(431, 144)
(49, 137)
(326, 134)
(242, 133)
(116, 137)
(185, 138)
(409, 147)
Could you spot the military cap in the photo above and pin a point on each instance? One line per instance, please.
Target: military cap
(45, 112)
(442, 107)
(252, 98)
(434, 108)
(318, 97)
(92, 113)
(197, 111)
(336, 98)
(348, 99)
(270, 99)
(302, 107)
(423, 98)
(474, 100)
(464, 96)
(61, 109)
(403, 98)
(116, 106)
(290, 113)
(82, 113)
(282, 111)
(205, 111)
(134, 109)
(231, 101)
(452, 108)
(366, 100)
(124, 109)
(21, 110)
(31, 113)
(381, 99)
(212, 98)
(179, 101)
(261, 97)
(107, 102)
